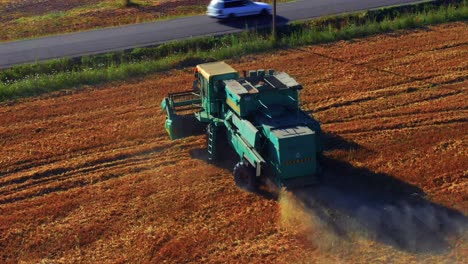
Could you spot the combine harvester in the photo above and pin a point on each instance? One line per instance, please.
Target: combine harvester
(258, 115)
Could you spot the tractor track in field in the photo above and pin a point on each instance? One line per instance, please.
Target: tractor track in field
(444, 48)
(400, 127)
(28, 164)
(409, 79)
(91, 176)
(74, 178)
(398, 89)
(376, 113)
(380, 112)
(100, 169)
(66, 172)
(390, 117)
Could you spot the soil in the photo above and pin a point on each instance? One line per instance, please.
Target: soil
(90, 175)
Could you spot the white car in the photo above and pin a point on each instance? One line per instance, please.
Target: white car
(236, 8)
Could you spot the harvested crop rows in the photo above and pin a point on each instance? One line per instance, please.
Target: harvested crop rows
(90, 175)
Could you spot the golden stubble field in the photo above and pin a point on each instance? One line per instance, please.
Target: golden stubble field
(89, 175)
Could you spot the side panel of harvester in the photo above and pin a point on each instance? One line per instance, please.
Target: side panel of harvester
(265, 116)
(245, 139)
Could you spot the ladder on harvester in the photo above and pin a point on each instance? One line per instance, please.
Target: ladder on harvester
(212, 132)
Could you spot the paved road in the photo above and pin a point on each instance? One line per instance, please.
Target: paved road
(139, 35)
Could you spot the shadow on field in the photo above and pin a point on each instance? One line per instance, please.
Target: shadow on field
(253, 22)
(333, 142)
(351, 201)
(227, 159)
(356, 201)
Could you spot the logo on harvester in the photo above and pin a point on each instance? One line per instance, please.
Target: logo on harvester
(297, 161)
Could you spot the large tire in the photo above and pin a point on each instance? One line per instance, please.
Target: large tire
(244, 176)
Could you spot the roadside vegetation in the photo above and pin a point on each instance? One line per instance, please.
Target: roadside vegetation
(22, 19)
(35, 79)
(28, 19)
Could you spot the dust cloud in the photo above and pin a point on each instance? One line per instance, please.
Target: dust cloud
(351, 222)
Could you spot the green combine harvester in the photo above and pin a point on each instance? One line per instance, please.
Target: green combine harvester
(258, 115)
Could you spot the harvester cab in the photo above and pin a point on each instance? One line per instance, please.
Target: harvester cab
(258, 115)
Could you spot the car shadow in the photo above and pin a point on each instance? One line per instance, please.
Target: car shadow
(253, 22)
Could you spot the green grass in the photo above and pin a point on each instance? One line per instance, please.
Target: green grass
(49, 16)
(35, 79)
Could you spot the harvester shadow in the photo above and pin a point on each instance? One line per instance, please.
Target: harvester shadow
(334, 142)
(352, 201)
(253, 22)
(227, 159)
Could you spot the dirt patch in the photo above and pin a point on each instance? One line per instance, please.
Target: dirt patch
(91, 176)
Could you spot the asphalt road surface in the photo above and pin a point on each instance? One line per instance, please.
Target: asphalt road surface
(153, 33)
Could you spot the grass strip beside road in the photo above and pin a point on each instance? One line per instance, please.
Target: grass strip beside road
(58, 17)
(35, 79)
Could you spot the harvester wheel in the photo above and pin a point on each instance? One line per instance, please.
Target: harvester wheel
(244, 176)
